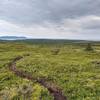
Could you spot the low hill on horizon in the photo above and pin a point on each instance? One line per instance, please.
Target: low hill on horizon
(12, 38)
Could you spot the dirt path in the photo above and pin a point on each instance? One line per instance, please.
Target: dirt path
(53, 89)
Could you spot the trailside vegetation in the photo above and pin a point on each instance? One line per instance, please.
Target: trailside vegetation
(67, 66)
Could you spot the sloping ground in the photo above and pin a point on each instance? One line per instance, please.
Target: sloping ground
(53, 89)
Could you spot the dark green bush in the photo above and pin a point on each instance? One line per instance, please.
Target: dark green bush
(89, 47)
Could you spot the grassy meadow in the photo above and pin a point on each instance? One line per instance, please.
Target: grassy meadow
(68, 65)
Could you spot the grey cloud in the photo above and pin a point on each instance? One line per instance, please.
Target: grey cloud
(39, 11)
(92, 25)
(51, 18)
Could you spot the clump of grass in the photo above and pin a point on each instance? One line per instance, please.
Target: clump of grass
(55, 51)
(25, 91)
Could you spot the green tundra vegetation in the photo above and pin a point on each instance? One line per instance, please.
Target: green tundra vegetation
(68, 65)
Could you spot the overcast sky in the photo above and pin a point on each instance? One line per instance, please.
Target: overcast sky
(64, 19)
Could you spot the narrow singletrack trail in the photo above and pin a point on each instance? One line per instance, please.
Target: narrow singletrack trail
(53, 89)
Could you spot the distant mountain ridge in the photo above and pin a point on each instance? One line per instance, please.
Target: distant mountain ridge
(12, 38)
(23, 39)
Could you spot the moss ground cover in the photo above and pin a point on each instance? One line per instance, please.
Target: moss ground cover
(74, 70)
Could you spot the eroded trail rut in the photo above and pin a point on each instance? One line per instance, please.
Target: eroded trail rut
(53, 89)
